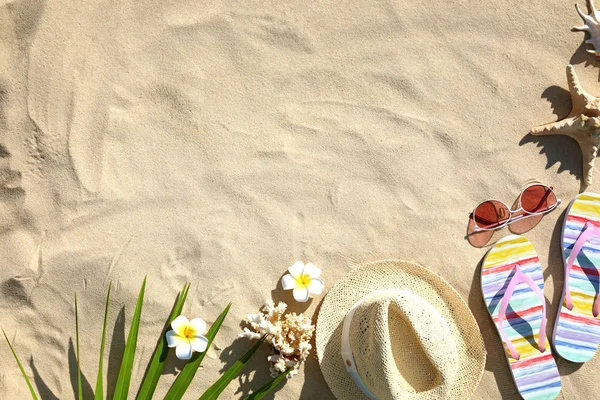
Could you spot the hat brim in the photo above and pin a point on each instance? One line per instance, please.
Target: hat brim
(391, 274)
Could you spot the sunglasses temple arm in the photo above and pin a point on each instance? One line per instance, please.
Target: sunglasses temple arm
(533, 215)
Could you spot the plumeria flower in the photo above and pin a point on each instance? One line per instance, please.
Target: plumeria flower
(304, 280)
(186, 337)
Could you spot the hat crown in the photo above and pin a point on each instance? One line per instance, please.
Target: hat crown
(402, 346)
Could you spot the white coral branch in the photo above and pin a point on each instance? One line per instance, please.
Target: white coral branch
(289, 334)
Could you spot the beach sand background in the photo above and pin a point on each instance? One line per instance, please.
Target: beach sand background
(218, 142)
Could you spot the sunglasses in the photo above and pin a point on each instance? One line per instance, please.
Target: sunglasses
(535, 199)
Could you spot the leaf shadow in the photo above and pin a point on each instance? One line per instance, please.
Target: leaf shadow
(256, 372)
(88, 392)
(115, 356)
(43, 389)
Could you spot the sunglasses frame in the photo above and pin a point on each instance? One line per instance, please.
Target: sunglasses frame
(511, 211)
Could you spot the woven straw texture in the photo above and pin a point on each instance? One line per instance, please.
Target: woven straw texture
(400, 357)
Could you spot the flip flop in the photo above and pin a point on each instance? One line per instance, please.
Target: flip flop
(512, 284)
(577, 327)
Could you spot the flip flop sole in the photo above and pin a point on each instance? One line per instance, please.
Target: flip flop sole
(535, 374)
(577, 331)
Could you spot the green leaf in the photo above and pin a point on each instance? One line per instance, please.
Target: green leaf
(183, 380)
(157, 363)
(79, 385)
(213, 392)
(272, 384)
(99, 395)
(124, 379)
(33, 395)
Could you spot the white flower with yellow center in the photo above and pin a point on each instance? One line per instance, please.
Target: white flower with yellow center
(186, 337)
(304, 280)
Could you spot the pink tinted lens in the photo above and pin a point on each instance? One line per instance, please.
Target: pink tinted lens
(491, 214)
(537, 199)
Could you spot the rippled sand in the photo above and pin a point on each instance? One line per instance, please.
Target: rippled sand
(219, 143)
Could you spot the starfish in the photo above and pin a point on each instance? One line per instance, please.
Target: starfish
(582, 124)
(591, 25)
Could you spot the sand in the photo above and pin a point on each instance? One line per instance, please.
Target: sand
(219, 142)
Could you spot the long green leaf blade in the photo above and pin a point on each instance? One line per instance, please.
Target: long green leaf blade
(99, 394)
(79, 385)
(157, 363)
(124, 379)
(33, 395)
(183, 380)
(266, 389)
(213, 392)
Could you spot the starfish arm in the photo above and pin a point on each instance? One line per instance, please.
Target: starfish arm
(583, 15)
(579, 96)
(589, 153)
(582, 28)
(567, 126)
(592, 7)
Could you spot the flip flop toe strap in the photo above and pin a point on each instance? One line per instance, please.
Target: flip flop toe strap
(589, 231)
(521, 277)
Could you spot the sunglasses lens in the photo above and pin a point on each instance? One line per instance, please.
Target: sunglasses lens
(491, 214)
(537, 198)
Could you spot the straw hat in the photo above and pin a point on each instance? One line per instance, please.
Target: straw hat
(395, 330)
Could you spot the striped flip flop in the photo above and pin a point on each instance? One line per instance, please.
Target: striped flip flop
(577, 327)
(512, 284)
